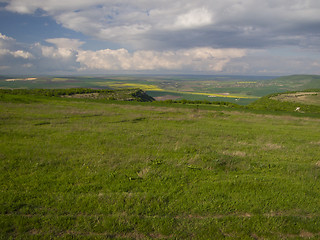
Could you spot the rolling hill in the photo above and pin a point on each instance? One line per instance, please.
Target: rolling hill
(89, 168)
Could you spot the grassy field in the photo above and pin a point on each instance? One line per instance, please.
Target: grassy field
(84, 169)
(236, 89)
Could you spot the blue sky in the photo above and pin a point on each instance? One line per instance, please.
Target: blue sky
(251, 37)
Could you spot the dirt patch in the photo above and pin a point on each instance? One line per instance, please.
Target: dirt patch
(34, 232)
(166, 97)
(235, 153)
(271, 146)
(255, 236)
(305, 234)
(84, 95)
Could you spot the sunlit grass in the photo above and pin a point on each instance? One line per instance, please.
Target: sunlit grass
(225, 95)
(77, 169)
(144, 87)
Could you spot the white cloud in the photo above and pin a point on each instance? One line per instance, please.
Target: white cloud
(6, 42)
(21, 54)
(197, 59)
(27, 65)
(63, 55)
(63, 48)
(195, 18)
(52, 52)
(67, 54)
(8, 48)
(38, 58)
(4, 37)
(4, 52)
(65, 43)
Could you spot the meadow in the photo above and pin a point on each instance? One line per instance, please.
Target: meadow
(75, 168)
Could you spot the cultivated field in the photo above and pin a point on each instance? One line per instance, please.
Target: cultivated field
(236, 89)
(86, 169)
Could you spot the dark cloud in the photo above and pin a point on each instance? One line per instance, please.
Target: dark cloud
(168, 24)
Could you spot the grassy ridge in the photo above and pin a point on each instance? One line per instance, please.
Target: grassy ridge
(271, 103)
(72, 168)
(300, 82)
(85, 93)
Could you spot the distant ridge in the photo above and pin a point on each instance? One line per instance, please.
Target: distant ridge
(119, 94)
(301, 81)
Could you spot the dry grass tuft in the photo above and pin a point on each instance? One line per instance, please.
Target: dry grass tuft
(305, 234)
(143, 173)
(235, 153)
(272, 146)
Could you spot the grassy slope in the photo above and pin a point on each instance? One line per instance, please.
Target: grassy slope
(71, 168)
(273, 102)
(309, 98)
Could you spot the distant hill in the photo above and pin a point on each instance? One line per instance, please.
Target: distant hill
(298, 82)
(119, 94)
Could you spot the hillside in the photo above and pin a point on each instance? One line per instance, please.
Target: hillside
(299, 101)
(299, 82)
(73, 168)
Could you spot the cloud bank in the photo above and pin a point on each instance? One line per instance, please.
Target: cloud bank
(210, 36)
(66, 54)
(167, 24)
(200, 59)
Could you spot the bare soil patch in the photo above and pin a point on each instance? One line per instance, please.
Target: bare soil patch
(85, 95)
(305, 234)
(235, 153)
(166, 97)
(271, 146)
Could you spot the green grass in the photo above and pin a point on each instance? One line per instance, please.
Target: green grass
(74, 168)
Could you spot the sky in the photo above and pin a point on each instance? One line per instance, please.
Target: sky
(233, 37)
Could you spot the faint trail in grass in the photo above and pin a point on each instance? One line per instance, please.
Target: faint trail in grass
(190, 216)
